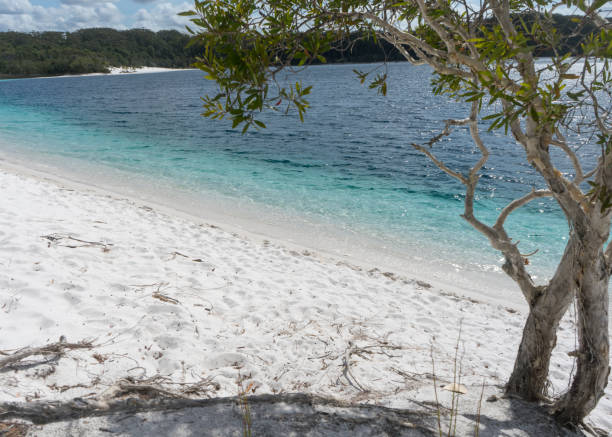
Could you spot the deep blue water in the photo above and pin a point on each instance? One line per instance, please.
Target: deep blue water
(350, 164)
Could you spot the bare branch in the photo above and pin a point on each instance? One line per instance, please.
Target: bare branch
(562, 144)
(440, 164)
(591, 173)
(608, 252)
(427, 53)
(517, 203)
(475, 133)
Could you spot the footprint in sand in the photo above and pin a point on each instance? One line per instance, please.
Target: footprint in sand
(229, 359)
(166, 342)
(426, 321)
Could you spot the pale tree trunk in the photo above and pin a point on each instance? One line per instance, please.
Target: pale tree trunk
(593, 355)
(584, 273)
(546, 309)
(530, 373)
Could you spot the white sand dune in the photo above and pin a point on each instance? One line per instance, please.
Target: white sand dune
(160, 293)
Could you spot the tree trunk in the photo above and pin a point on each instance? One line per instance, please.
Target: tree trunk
(546, 309)
(530, 374)
(593, 355)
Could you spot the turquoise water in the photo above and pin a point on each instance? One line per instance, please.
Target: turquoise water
(350, 166)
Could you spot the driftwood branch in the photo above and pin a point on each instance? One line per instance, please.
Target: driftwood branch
(53, 349)
(57, 238)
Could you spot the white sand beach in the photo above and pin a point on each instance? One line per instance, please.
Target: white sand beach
(124, 71)
(142, 70)
(161, 293)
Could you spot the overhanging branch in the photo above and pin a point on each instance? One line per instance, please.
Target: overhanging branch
(517, 203)
(440, 164)
(515, 262)
(562, 144)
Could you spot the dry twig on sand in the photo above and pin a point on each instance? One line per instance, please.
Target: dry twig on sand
(153, 387)
(8, 429)
(76, 242)
(157, 295)
(126, 395)
(195, 260)
(361, 351)
(54, 350)
(346, 367)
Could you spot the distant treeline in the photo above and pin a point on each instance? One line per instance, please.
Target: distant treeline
(91, 51)
(94, 50)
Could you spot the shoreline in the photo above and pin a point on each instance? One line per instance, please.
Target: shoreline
(165, 293)
(113, 71)
(146, 70)
(320, 239)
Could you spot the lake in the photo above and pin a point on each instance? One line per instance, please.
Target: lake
(347, 177)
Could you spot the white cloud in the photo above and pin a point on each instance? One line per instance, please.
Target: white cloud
(62, 18)
(14, 7)
(85, 2)
(69, 15)
(163, 16)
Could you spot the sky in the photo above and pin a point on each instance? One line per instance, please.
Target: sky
(68, 15)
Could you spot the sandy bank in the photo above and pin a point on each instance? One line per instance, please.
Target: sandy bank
(167, 294)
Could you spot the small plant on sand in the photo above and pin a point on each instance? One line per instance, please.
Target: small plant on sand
(477, 426)
(243, 401)
(456, 389)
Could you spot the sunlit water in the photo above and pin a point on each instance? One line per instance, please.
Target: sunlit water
(348, 170)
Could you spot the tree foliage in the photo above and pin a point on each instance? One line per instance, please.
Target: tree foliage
(482, 53)
(247, 43)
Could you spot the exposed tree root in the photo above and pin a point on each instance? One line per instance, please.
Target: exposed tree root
(43, 412)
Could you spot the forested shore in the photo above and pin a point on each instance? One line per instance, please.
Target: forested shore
(95, 50)
(91, 51)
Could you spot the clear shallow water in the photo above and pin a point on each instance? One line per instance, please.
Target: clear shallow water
(349, 167)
